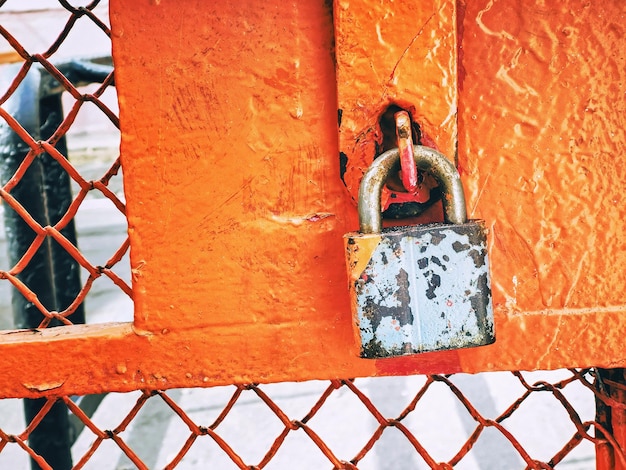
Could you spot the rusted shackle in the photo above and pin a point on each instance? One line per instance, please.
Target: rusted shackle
(427, 160)
(422, 287)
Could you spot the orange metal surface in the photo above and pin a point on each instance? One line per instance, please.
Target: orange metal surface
(394, 54)
(237, 207)
(542, 148)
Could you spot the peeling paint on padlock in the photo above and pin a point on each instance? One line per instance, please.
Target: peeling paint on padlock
(422, 288)
(419, 288)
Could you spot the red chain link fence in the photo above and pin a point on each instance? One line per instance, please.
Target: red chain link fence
(417, 422)
(493, 420)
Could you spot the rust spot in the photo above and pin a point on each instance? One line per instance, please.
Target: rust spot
(433, 283)
(458, 247)
(478, 257)
(437, 237)
(438, 262)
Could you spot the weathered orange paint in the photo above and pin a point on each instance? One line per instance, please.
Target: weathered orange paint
(395, 53)
(243, 200)
(542, 149)
(237, 208)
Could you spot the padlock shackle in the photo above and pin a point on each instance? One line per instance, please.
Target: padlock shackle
(426, 159)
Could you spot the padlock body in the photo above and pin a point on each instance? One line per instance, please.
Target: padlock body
(420, 288)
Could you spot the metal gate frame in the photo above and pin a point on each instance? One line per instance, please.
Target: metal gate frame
(106, 346)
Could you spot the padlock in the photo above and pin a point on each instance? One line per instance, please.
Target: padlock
(423, 287)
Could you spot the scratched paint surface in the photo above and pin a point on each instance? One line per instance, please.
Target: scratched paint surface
(424, 288)
(244, 253)
(245, 192)
(237, 207)
(553, 77)
(394, 53)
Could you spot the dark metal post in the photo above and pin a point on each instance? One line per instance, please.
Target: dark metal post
(52, 275)
(57, 193)
(612, 416)
(45, 192)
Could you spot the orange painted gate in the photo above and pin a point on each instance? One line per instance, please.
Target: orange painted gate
(245, 131)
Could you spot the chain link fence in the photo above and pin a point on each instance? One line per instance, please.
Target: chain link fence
(418, 422)
(58, 170)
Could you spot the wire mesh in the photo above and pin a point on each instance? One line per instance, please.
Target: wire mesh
(75, 100)
(418, 422)
(270, 426)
